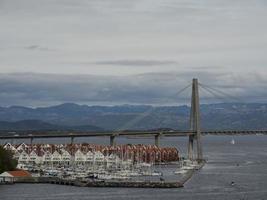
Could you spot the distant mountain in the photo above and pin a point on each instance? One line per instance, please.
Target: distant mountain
(27, 125)
(34, 125)
(129, 117)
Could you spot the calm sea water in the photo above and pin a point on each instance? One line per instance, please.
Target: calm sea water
(245, 163)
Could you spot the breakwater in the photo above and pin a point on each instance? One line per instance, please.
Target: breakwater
(103, 183)
(125, 184)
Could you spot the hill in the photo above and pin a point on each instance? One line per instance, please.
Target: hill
(73, 116)
(40, 125)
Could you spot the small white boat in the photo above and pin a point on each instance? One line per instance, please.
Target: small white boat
(180, 171)
(152, 173)
(188, 167)
(156, 173)
(232, 141)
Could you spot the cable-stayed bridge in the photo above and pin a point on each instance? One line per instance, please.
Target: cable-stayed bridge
(194, 133)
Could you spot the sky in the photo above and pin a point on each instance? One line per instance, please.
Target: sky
(130, 52)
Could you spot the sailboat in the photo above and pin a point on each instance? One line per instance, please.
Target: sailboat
(232, 141)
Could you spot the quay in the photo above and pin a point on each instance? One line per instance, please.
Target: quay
(125, 184)
(105, 183)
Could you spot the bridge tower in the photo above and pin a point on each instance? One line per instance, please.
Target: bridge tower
(195, 124)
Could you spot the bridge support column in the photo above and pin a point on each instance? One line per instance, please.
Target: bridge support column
(72, 140)
(195, 124)
(112, 140)
(157, 140)
(190, 147)
(31, 141)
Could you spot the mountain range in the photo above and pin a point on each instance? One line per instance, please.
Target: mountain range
(70, 116)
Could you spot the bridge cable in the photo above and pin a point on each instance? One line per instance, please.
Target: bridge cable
(221, 92)
(217, 96)
(188, 86)
(146, 113)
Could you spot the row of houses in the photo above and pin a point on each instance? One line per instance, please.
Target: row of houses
(89, 153)
(62, 156)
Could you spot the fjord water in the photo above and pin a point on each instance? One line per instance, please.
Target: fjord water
(244, 163)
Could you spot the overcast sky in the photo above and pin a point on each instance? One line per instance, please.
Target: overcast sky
(125, 51)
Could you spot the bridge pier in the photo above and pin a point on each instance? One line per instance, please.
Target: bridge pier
(31, 141)
(157, 137)
(195, 124)
(112, 140)
(190, 147)
(72, 140)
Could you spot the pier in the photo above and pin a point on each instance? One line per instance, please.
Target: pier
(107, 183)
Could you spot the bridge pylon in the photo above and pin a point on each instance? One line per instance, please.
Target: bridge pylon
(195, 124)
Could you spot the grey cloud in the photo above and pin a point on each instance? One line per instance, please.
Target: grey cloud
(32, 47)
(152, 88)
(137, 62)
(37, 47)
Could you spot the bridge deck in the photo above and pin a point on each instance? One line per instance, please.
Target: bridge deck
(172, 133)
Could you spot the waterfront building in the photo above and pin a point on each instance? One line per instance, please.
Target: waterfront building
(10, 147)
(56, 158)
(34, 158)
(11, 176)
(90, 157)
(47, 158)
(99, 158)
(90, 154)
(65, 157)
(23, 157)
(79, 157)
(22, 147)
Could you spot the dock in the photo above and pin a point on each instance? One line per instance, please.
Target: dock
(103, 183)
(116, 183)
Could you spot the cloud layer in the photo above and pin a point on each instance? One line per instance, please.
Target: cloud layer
(30, 89)
(137, 63)
(125, 51)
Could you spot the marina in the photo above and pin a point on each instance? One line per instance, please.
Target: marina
(91, 165)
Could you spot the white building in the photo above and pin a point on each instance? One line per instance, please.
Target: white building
(112, 160)
(34, 158)
(99, 158)
(47, 157)
(66, 157)
(90, 157)
(56, 157)
(79, 157)
(22, 147)
(23, 157)
(6, 178)
(9, 146)
(16, 155)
